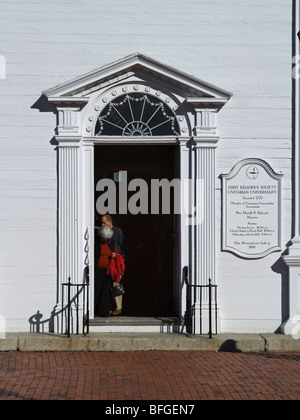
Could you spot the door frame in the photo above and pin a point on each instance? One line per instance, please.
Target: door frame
(76, 214)
(173, 173)
(88, 211)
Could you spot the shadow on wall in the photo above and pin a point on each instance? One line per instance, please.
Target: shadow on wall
(58, 320)
(42, 105)
(281, 268)
(72, 315)
(37, 325)
(56, 323)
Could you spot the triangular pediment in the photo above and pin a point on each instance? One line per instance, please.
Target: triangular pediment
(145, 68)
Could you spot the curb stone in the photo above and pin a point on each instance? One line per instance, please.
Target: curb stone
(121, 342)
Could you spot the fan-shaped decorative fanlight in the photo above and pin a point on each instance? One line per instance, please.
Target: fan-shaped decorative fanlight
(136, 115)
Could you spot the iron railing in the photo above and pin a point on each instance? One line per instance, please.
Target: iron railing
(77, 306)
(198, 300)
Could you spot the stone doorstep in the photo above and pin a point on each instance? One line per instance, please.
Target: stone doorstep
(115, 342)
(125, 324)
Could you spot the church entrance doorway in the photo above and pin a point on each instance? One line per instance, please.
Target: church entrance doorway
(151, 238)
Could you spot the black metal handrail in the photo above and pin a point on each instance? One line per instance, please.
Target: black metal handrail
(80, 295)
(192, 297)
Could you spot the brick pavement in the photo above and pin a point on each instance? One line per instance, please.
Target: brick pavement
(152, 375)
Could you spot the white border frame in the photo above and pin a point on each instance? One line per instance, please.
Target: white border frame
(233, 173)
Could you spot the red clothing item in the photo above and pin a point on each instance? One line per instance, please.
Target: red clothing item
(105, 255)
(116, 268)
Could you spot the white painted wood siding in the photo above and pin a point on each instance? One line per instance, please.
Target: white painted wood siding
(243, 46)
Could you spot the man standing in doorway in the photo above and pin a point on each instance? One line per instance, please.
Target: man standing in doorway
(121, 249)
(118, 235)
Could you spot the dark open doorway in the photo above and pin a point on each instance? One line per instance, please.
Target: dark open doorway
(149, 277)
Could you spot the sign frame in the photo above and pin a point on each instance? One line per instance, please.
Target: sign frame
(255, 167)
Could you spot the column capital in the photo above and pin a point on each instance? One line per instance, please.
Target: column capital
(185, 142)
(205, 121)
(293, 256)
(205, 142)
(68, 141)
(68, 120)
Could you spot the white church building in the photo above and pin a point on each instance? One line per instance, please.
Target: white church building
(134, 93)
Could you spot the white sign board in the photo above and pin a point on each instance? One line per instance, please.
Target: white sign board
(251, 209)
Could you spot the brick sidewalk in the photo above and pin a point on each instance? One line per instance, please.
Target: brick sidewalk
(153, 375)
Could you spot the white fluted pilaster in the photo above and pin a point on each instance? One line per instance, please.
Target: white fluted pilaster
(204, 230)
(68, 214)
(87, 213)
(205, 202)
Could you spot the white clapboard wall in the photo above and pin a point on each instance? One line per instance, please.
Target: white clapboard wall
(243, 46)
